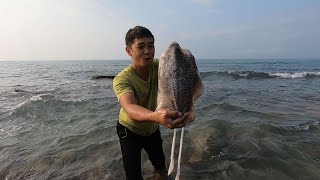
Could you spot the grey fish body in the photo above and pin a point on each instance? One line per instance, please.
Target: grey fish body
(179, 83)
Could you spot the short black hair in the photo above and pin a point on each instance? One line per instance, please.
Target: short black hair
(137, 32)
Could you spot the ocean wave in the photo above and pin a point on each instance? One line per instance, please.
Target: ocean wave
(42, 103)
(301, 127)
(256, 75)
(81, 72)
(38, 97)
(309, 126)
(296, 75)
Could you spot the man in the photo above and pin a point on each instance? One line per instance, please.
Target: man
(136, 88)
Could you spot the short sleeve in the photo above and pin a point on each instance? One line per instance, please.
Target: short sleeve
(121, 86)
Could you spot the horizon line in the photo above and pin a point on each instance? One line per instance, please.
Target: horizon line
(291, 58)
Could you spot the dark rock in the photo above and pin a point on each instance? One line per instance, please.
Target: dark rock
(102, 77)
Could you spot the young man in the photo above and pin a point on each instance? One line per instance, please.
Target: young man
(136, 88)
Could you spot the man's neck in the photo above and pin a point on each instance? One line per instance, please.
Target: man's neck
(141, 71)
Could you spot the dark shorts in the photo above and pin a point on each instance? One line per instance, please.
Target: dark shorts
(131, 145)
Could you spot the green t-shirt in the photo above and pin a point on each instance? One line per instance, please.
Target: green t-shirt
(145, 93)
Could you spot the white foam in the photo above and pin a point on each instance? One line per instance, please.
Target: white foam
(32, 99)
(36, 97)
(294, 75)
(315, 124)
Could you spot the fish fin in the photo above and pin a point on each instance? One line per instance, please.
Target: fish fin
(199, 141)
(198, 90)
(192, 115)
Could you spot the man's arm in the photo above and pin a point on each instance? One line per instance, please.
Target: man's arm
(165, 117)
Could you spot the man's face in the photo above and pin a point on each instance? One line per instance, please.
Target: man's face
(142, 51)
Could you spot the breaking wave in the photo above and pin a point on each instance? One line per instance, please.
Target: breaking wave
(256, 75)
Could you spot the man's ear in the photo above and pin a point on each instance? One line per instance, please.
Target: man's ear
(128, 51)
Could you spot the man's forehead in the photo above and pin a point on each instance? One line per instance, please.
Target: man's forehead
(144, 40)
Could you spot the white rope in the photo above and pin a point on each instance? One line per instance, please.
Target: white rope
(179, 157)
(171, 166)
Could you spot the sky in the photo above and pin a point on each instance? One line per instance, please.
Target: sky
(210, 29)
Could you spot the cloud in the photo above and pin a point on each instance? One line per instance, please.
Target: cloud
(208, 5)
(84, 29)
(204, 2)
(57, 29)
(216, 33)
(167, 12)
(213, 11)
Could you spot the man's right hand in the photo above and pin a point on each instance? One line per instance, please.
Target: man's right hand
(171, 119)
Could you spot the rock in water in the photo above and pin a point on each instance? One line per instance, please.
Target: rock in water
(103, 77)
(178, 87)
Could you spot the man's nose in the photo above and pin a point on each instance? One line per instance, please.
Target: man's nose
(147, 50)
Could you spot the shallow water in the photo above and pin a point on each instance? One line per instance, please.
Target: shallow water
(257, 119)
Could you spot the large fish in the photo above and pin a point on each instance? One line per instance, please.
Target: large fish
(179, 85)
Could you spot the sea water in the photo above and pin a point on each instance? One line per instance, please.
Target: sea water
(257, 119)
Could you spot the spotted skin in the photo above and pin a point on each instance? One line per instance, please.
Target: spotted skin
(178, 79)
